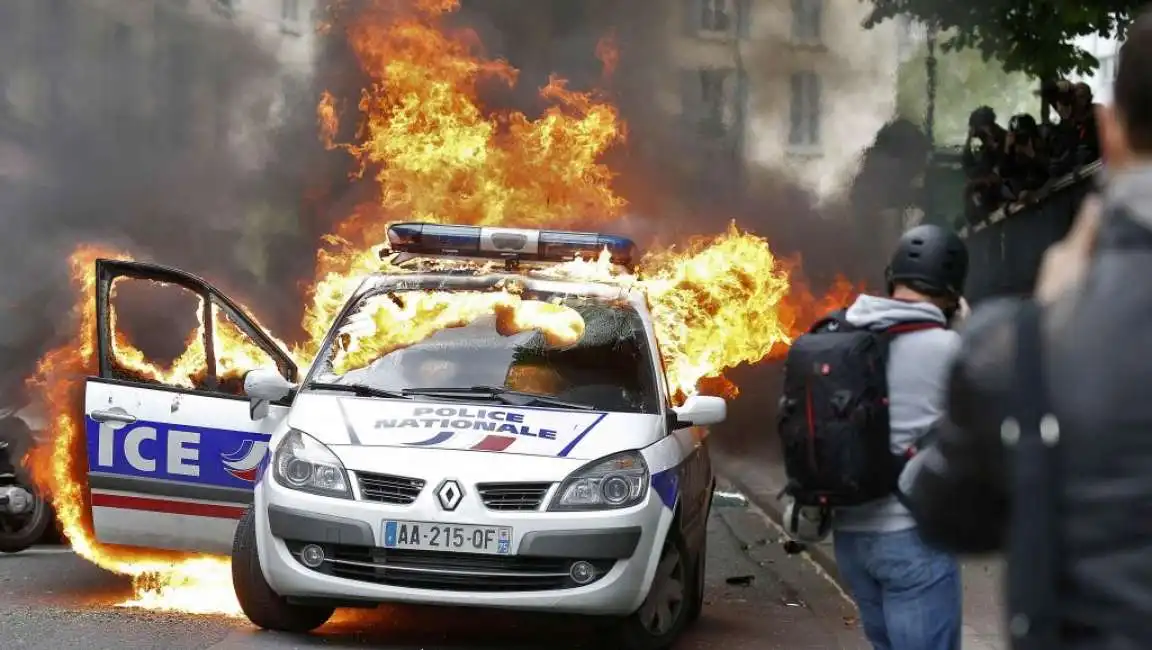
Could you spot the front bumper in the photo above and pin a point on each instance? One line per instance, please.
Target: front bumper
(622, 545)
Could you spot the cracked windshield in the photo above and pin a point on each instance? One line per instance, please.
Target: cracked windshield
(586, 351)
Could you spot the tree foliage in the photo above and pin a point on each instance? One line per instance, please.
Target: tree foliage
(1030, 36)
(965, 80)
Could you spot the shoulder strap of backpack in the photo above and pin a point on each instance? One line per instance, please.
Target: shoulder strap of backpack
(912, 326)
(1031, 433)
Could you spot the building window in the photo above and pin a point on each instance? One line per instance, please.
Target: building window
(726, 17)
(121, 40)
(1105, 79)
(290, 10)
(712, 100)
(1107, 69)
(715, 102)
(906, 43)
(716, 15)
(804, 122)
(807, 19)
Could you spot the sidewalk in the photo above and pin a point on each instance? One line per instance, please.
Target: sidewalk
(755, 469)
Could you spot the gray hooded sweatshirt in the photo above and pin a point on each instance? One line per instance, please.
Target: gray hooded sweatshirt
(918, 365)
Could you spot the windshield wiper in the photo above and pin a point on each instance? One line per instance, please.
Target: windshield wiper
(359, 389)
(505, 395)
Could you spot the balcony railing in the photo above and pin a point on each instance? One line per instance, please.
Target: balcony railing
(1007, 247)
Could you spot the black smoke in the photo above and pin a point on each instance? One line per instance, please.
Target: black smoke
(156, 134)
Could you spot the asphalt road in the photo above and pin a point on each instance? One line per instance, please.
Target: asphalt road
(758, 598)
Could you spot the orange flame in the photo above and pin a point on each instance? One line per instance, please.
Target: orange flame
(406, 318)
(439, 157)
(60, 467)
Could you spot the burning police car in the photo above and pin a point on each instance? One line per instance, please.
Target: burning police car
(496, 438)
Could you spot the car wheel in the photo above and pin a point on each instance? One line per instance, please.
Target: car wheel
(53, 534)
(20, 532)
(261, 605)
(665, 612)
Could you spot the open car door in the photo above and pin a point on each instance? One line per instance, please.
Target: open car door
(172, 463)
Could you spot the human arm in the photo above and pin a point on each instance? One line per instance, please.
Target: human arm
(959, 496)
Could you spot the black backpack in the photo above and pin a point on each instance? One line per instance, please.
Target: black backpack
(833, 416)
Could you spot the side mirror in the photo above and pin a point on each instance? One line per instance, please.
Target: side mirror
(264, 386)
(701, 411)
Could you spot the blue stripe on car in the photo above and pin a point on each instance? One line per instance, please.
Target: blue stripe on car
(667, 485)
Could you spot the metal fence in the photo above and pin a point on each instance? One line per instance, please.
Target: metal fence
(943, 200)
(1006, 249)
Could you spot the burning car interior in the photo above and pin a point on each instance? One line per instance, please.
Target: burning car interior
(609, 367)
(156, 333)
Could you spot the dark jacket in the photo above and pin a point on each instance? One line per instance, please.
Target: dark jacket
(1024, 173)
(985, 163)
(1098, 350)
(1075, 142)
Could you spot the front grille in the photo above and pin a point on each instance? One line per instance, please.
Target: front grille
(512, 496)
(384, 488)
(448, 571)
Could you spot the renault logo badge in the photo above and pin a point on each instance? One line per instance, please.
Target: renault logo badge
(449, 494)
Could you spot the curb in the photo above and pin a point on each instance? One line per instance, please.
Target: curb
(821, 554)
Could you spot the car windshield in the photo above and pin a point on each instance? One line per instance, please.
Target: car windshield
(608, 367)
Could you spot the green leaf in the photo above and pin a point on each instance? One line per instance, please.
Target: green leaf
(966, 79)
(1033, 37)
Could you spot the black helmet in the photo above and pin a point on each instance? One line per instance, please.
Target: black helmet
(1023, 124)
(931, 260)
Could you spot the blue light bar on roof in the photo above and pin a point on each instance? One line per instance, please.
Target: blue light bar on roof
(435, 240)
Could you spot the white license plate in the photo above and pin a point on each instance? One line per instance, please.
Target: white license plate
(458, 538)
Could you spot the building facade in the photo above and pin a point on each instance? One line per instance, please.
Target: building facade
(792, 86)
(1107, 52)
(758, 88)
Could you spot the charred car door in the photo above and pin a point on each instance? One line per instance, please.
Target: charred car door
(172, 460)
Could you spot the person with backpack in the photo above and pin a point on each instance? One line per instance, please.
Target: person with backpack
(862, 391)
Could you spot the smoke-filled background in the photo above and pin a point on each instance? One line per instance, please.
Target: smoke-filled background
(185, 133)
(172, 131)
(690, 163)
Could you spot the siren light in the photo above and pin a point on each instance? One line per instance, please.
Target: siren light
(512, 244)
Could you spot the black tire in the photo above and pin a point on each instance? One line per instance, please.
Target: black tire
(53, 534)
(264, 607)
(641, 631)
(20, 532)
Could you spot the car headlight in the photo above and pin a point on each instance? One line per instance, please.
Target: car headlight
(303, 463)
(618, 481)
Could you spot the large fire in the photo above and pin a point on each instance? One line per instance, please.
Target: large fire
(437, 156)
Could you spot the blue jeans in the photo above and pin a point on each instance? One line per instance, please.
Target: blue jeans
(909, 595)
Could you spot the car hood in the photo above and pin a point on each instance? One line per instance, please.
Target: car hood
(375, 422)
